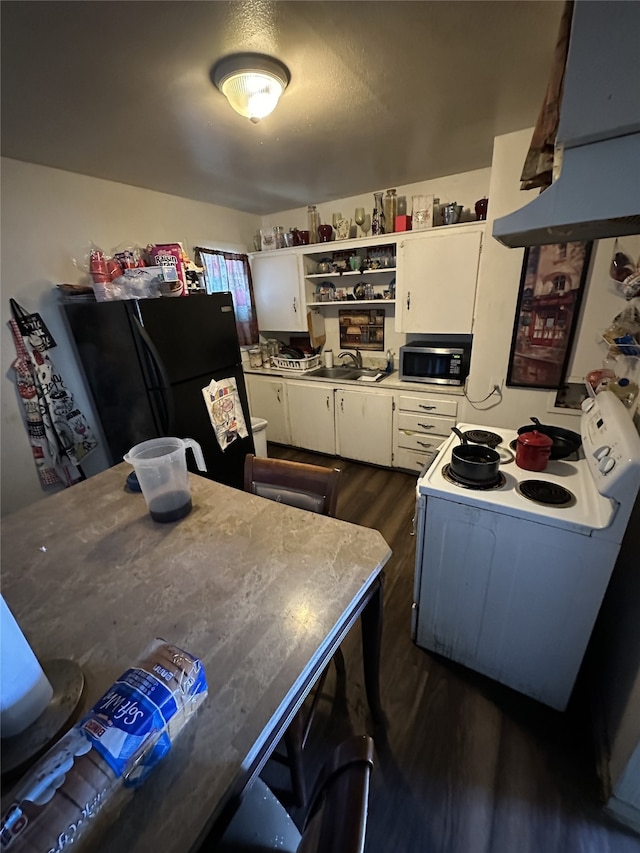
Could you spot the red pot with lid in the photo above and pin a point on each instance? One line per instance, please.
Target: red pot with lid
(532, 450)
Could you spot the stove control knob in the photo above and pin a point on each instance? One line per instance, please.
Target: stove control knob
(601, 452)
(606, 464)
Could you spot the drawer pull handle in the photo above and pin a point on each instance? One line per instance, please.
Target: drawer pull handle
(426, 426)
(428, 408)
(424, 444)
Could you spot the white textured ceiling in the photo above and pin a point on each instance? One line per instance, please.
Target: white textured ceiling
(381, 93)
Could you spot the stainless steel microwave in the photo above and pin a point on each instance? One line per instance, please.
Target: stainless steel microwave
(436, 360)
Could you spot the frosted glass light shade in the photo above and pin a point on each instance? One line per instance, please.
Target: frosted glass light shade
(252, 83)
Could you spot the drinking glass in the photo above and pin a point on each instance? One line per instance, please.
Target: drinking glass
(366, 224)
(359, 217)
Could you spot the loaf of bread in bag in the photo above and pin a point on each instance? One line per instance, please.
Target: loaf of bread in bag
(77, 792)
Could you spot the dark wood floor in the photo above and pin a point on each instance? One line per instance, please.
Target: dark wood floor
(465, 765)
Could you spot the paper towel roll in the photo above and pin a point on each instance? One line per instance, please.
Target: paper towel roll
(25, 691)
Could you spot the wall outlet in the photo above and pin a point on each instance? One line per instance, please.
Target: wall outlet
(496, 382)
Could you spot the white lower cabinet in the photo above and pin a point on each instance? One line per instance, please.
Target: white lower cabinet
(311, 416)
(268, 400)
(421, 424)
(364, 425)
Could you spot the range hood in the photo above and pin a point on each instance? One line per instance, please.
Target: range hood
(596, 187)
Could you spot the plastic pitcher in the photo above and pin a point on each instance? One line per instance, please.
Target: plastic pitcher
(161, 468)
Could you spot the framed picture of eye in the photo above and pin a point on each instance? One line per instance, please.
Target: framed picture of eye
(551, 287)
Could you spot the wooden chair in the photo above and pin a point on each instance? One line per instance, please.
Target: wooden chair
(311, 487)
(314, 488)
(335, 823)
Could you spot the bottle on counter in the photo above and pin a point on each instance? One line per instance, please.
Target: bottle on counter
(313, 219)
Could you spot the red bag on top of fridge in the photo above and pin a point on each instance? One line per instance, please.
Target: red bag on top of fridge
(169, 256)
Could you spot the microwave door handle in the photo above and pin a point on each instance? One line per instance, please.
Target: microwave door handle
(158, 368)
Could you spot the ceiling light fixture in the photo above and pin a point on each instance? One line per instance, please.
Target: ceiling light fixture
(251, 82)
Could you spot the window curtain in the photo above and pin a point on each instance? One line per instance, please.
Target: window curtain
(228, 271)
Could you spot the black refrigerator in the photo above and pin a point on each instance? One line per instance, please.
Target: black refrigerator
(146, 362)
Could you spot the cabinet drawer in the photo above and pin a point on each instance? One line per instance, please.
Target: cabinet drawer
(432, 405)
(410, 460)
(425, 424)
(419, 441)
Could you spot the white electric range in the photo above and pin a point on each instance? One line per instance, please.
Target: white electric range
(509, 586)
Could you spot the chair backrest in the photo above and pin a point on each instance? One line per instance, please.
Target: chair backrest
(337, 819)
(310, 487)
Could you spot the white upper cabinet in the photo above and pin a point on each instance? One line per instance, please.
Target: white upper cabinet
(278, 289)
(437, 276)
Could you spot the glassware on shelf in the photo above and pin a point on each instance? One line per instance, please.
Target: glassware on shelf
(377, 220)
(278, 236)
(359, 217)
(313, 219)
(366, 225)
(390, 211)
(268, 239)
(324, 233)
(334, 219)
(402, 205)
(422, 213)
(481, 208)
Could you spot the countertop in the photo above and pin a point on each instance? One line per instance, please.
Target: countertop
(254, 588)
(391, 382)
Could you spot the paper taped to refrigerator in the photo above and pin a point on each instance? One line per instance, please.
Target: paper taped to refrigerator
(225, 411)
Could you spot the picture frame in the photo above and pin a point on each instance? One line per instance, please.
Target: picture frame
(549, 297)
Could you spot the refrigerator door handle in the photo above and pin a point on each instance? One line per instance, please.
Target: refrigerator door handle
(164, 386)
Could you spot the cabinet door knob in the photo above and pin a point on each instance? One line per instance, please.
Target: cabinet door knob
(408, 300)
(295, 305)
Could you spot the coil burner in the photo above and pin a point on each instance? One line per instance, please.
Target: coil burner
(449, 475)
(547, 494)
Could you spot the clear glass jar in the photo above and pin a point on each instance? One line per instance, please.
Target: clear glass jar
(377, 219)
(390, 211)
(313, 219)
(278, 236)
(255, 357)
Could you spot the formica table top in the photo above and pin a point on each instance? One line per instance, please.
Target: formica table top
(256, 589)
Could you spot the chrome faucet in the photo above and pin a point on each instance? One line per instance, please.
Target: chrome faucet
(355, 358)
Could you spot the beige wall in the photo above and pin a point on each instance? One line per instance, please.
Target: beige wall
(49, 218)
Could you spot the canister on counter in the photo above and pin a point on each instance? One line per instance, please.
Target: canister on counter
(255, 357)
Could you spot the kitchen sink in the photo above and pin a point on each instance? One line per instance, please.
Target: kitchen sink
(335, 372)
(346, 373)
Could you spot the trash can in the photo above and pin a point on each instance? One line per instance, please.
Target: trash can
(259, 430)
